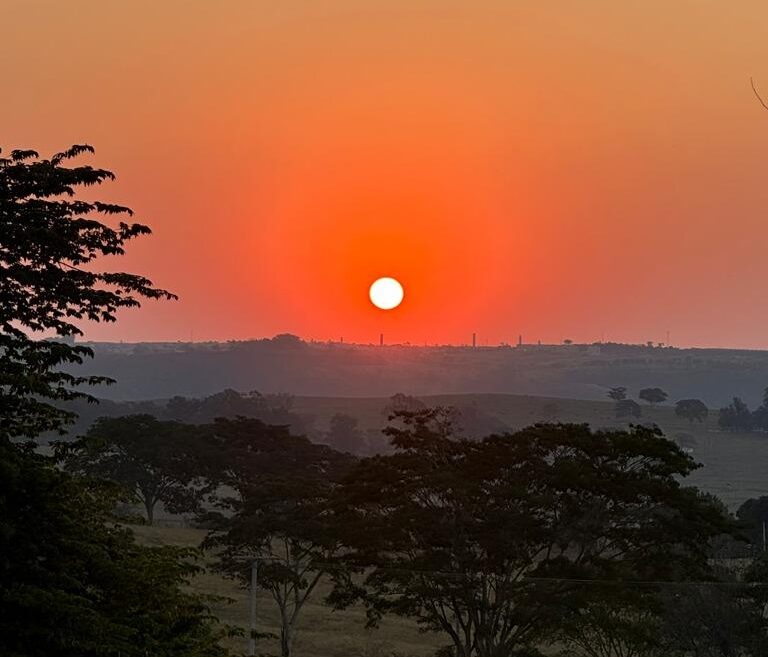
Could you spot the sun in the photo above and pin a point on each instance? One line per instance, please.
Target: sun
(386, 293)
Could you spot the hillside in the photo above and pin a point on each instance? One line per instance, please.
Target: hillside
(287, 364)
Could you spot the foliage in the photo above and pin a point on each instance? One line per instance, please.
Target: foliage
(617, 394)
(344, 434)
(400, 402)
(49, 239)
(628, 408)
(735, 417)
(271, 409)
(283, 516)
(753, 514)
(613, 622)
(653, 396)
(760, 414)
(481, 540)
(233, 453)
(74, 584)
(150, 458)
(473, 422)
(693, 410)
(721, 619)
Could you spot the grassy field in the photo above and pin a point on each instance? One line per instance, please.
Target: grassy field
(322, 631)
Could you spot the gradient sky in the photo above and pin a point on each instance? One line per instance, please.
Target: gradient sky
(558, 169)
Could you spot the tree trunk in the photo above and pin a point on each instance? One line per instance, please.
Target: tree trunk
(150, 507)
(286, 641)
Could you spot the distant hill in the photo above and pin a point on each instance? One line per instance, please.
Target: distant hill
(287, 364)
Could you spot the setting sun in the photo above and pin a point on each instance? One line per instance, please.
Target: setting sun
(386, 293)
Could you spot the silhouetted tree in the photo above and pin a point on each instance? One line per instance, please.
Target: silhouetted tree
(344, 434)
(73, 583)
(150, 458)
(282, 516)
(693, 410)
(653, 395)
(753, 514)
(735, 417)
(400, 402)
(760, 415)
(289, 341)
(613, 622)
(480, 540)
(48, 238)
(271, 409)
(473, 422)
(722, 619)
(235, 453)
(617, 394)
(628, 408)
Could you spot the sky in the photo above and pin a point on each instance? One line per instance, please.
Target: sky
(584, 170)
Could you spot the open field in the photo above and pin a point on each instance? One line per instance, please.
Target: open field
(322, 631)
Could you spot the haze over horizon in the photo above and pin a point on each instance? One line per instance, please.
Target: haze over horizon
(480, 342)
(561, 170)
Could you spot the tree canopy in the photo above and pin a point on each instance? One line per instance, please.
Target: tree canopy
(75, 584)
(653, 395)
(49, 240)
(482, 540)
(736, 416)
(628, 408)
(619, 393)
(693, 410)
(283, 515)
(150, 458)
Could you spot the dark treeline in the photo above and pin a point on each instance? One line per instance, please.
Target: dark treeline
(553, 535)
(343, 431)
(692, 410)
(737, 416)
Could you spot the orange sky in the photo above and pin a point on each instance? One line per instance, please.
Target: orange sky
(558, 169)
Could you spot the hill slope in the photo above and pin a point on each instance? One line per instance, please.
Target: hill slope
(286, 364)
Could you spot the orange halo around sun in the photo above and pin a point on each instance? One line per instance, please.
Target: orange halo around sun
(386, 293)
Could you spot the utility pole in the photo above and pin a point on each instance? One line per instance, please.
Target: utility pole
(763, 535)
(254, 585)
(381, 339)
(474, 340)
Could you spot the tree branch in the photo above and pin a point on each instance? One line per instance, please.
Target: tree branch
(757, 93)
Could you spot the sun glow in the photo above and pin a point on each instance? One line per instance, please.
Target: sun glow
(386, 293)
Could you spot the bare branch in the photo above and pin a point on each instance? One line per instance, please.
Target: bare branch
(757, 93)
